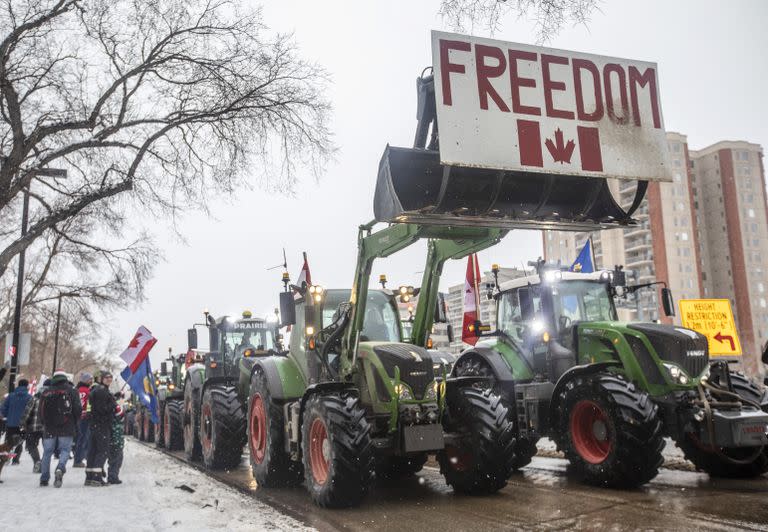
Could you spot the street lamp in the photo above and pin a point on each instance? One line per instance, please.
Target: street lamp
(56, 336)
(44, 172)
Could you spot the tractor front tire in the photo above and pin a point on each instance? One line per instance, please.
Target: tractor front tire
(706, 459)
(173, 419)
(481, 460)
(396, 467)
(191, 425)
(270, 464)
(148, 429)
(222, 428)
(337, 450)
(609, 430)
(159, 428)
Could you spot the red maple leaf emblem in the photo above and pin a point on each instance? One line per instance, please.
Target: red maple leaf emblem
(561, 153)
(135, 341)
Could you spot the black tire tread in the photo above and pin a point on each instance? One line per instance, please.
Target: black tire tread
(228, 428)
(193, 449)
(174, 409)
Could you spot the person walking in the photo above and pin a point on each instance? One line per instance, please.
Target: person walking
(12, 410)
(115, 460)
(83, 428)
(33, 427)
(59, 410)
(102, 411)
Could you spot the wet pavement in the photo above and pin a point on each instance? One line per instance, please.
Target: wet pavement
(541, 497)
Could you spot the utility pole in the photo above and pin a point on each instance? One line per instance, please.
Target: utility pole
(47, 172)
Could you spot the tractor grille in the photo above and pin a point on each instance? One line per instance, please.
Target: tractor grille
(414, 362)
(646, 361)
(684, 347)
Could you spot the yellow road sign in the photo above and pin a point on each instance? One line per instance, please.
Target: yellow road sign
(714, 319)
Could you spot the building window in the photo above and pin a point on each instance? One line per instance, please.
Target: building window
(677, 177)
(751, 213)
(763, 303)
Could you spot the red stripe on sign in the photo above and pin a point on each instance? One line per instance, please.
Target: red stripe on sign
(529, 139)
(589, 148)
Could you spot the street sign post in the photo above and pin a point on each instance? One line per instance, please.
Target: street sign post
(517, 107)
(714, 319)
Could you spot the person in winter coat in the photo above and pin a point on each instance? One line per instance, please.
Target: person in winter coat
(102, 412)
(59, 410)
(12, 410)
(83, 428)
(116, 444)
(33, 428)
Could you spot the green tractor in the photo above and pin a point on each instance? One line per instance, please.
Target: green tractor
(170, 403)
(350, 399)
(608, 392)
(213, 417)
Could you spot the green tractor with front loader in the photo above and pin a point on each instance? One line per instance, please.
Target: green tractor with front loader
(350, 398)
(214, 415)
(170, 403)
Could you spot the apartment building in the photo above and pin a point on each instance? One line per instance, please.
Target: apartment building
(705, 234)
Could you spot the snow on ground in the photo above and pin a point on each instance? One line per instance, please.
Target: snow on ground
(148, 500)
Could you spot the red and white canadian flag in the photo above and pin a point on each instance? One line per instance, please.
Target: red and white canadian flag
(138, 350)
(471, 301)
(304, 276)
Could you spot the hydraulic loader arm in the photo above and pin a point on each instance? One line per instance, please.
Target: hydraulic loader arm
(440, 250)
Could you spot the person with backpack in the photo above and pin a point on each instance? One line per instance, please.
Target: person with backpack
(33, 427)
(102, 406)
(12, 410)
(59, 410)
(83, 432)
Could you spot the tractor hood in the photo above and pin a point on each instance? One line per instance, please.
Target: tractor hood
(683, 347)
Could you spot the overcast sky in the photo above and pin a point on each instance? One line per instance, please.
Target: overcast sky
(713, 77)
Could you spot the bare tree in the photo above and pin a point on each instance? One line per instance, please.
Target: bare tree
(549, 16)
(174, 100)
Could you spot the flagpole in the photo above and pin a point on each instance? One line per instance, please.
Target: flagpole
(592, 253)
(475, 271)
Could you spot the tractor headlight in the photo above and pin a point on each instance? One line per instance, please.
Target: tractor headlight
(677, 373)
(552, 276)
(171, 386)
(431, 393)
(403, 392)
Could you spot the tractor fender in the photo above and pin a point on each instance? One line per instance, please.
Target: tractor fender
(283, 377)
(572, 373)
(501, 371)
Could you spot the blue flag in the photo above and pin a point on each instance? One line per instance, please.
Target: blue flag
(142, 383)
(584, 262)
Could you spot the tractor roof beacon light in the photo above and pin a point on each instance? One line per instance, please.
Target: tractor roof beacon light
(383, 280)
(247, 314)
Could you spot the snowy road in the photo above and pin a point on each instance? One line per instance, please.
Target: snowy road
(148, 500)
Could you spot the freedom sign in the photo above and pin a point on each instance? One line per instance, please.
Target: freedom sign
(527, 108)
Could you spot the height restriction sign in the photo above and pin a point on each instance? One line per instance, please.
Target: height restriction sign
(714, 319)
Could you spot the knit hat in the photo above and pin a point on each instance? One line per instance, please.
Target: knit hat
(23, 383)
(85, 377)
(58, 376)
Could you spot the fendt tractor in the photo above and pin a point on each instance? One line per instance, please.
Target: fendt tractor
(214, 426)
(170, 403)
(608, 392)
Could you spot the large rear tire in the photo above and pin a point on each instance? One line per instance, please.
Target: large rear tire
(337, 450)
(173, 420)
(706, 459)
(159, 428)
(270, 464)
(148, 429)
(609, 430)
(481, 460)
(475, 366)
(397, 467)
(222, 428)
(191, 425)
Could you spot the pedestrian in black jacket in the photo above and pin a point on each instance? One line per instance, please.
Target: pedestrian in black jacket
(102, 406)
(59, 411)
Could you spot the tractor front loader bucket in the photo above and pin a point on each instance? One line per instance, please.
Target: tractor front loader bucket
(413, 187)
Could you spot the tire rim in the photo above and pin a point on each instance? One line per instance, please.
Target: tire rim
(590, 433)
(167, 427)
(319, 450)
(207, 427)
(258, 429)
(460, 461)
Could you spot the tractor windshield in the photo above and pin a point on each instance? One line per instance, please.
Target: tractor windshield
(582, 301)
(381, 317)
(237, 340)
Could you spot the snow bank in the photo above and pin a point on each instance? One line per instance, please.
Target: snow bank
(148, 500)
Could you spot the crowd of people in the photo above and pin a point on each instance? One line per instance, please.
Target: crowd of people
(83, 422)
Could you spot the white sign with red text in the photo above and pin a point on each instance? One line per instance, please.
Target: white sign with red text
(527, 108)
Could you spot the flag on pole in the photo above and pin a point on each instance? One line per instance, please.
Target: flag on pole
(471, 301)
(304, 276)
(584, 263)
(138, 370)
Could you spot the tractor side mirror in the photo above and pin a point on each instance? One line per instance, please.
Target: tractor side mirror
(441, 310)
(619, 277)
(667, 302)
(175, 374)
(163, 368)
(449, 332)
(287, 309)
(764, 358)
(192, 338)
